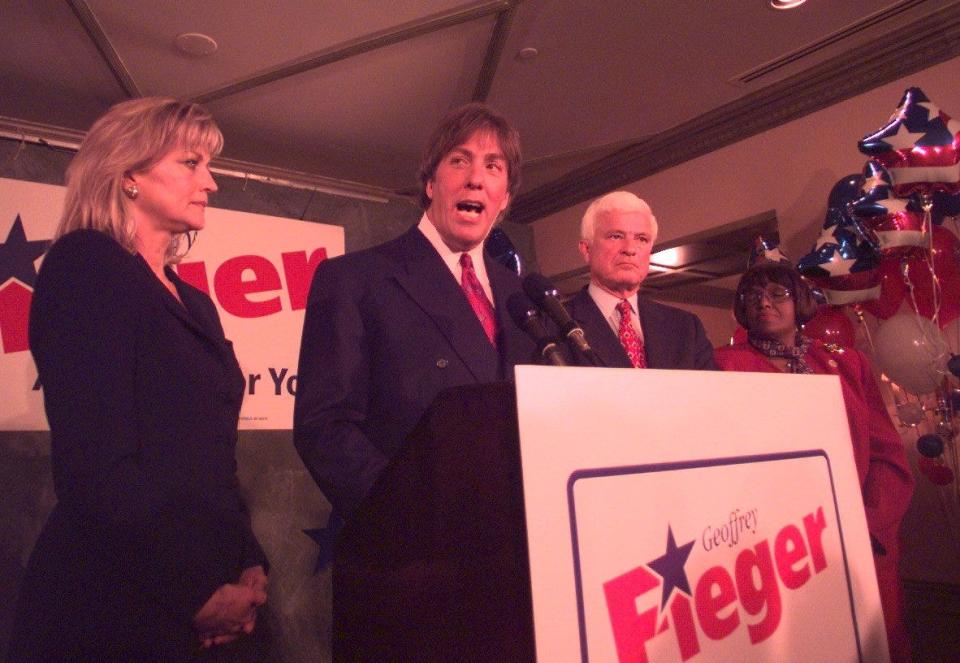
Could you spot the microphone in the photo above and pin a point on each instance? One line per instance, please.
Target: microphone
(545, 295)
(527, 317)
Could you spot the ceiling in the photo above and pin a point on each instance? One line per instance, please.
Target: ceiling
(343, 94)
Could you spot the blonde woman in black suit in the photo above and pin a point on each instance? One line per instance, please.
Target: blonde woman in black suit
(148, 554)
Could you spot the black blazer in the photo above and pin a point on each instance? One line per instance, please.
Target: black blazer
(142, 395)
(672, 338)
(386, 329)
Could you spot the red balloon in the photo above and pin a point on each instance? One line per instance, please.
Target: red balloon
(830, 325)
(949, 300)
(946, 252)
(918, 274)
(892, 290)
(739, 335)
(940, 475)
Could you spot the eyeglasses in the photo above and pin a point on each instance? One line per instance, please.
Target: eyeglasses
(776, 295)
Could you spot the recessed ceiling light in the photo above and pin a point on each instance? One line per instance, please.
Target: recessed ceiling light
(196, 44)
(527, 53)
(786, 4)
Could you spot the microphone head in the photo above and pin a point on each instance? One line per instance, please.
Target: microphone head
(538, 287)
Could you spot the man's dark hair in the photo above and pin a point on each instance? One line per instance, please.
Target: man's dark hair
(455, 129)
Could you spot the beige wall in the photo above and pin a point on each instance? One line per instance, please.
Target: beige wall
(790, 169)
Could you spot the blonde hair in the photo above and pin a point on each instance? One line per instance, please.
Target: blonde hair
(615, 201)
(132, 136)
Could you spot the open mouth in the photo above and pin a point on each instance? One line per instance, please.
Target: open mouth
(470, 207)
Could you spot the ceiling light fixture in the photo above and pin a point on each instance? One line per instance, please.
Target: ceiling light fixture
(195, 44)
(786, 4)
(527, 53)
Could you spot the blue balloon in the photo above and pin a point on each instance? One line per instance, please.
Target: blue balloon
(499, 247)
(930, 445)
(846, 190)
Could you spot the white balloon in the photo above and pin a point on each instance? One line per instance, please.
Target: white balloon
(912, 352)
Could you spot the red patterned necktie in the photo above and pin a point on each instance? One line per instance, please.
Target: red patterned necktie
(478, 298)
(628, 337)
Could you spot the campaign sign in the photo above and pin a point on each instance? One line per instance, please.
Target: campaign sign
(257, 270)
(724, 524)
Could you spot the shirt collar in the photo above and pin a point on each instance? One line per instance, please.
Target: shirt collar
(452, 258)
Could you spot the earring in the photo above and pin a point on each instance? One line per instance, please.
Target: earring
(132, 192)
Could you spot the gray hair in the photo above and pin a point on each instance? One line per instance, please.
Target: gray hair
(615, 201)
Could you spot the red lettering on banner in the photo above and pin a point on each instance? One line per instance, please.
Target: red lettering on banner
(814, 524)
(194, 273)
(714, 594)
(630, 629)
(718, 595)
(755, 598)
(686, 628)
(14, 317)
(789, 549)
(299, 272)
(233, 290)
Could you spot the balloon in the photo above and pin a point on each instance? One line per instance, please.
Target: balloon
(845, 191)
(892, 290)
(766, 250)
(944, 205)
(842, 262)
(499, 247)
(910, 414)
(918, 146)
(918, 272)
(911, 351)
(830, 325)
(895, 224)
(941, 475)
(946, 252)
(954, 367)
(949, 300)
(930, 446)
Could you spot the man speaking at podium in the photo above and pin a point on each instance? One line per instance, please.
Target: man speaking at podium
(388, 328)
(626, 330)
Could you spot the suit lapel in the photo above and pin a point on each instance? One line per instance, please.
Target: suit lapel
(428, 281)
(599, 334)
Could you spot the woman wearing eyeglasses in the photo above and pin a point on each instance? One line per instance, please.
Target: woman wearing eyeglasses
(772, 303)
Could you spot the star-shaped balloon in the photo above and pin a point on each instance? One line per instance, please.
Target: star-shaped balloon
(895, 223)
(842, 262)
(670, 567)
(919, 146)
(17, 255)
(765, 250)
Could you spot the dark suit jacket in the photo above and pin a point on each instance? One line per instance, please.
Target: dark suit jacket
(672, 338)
(385, 330)
(142, 395)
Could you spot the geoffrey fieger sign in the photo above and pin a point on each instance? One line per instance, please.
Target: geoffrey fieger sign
(257, 270)
(736, 534)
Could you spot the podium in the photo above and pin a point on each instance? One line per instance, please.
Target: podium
(434, 564)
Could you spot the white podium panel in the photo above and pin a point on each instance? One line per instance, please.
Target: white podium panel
(683, 515)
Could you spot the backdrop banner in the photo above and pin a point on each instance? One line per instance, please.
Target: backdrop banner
(256, 268)
(694, 515)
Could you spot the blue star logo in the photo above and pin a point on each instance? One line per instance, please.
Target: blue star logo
(325, 538)
(670, 567)
(17, 256)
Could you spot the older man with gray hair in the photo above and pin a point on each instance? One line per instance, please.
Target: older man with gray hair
(626, 330)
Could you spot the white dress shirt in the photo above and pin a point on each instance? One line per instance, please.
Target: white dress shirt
(452, 258)
(607, 304)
